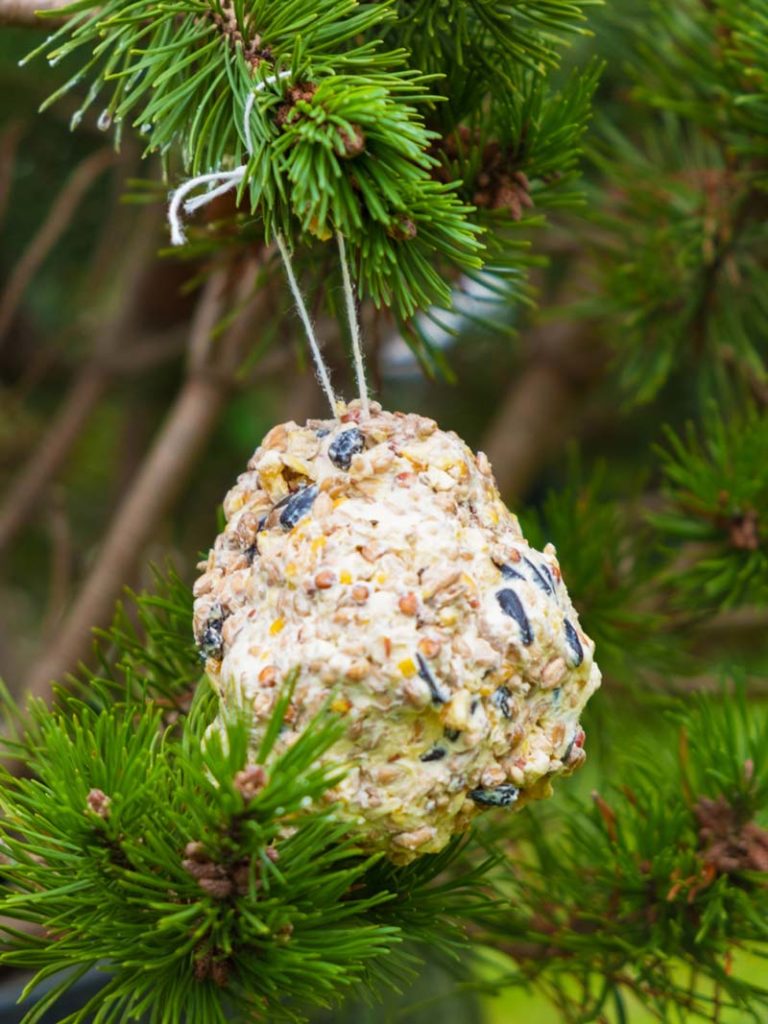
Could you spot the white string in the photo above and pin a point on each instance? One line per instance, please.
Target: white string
(227, 181)
(322, 370)
(354, 327)
(259, 87)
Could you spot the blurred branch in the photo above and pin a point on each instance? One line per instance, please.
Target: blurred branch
(58, 219)
(9, 142)
(42, 466)
(85, 392)
(540, 410)
(61, 562)
(26, 13)
(166, 470)
(146, 354)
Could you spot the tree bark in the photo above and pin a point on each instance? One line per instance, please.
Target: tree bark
(544, 406)
(165, 471)
(529, 427)
(111, 344)
(59, 217)
(41, 469)
(24, 13)
(161, 478)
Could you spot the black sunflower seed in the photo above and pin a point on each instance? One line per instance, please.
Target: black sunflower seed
(425, 673)
(548, 574)
(298, 506)
(499, 796)
(539, 578)
(435, 754)
(452, 734)
(574, 643)
(210, 643)
(322, 432)
(347, 444)
(512, 606)
(501, 700)
(510, 574)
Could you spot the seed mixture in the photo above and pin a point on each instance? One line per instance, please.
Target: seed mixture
(377, 558)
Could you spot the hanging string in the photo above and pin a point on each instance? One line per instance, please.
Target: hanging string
(322, 370)
(248, 108)
(227, 180)
(354, 327)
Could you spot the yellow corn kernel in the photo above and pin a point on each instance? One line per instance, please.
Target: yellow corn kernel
(297, 465)
(381, 578)
(345, 577)
(290, 569)
(417, 463)
(277, 626)
(318, 544)
(408, 668)
(457, 712)
(341, 705)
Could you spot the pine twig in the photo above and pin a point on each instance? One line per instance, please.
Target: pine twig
(164, 473)
(55, 224)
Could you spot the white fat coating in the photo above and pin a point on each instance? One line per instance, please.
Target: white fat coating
(398, 594)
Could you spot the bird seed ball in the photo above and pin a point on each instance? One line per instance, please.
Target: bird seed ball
(375, 556)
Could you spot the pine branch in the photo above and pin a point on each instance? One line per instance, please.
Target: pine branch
(663, 872)
(206, 881)
(717, 496)
(682, 231)
(499, 35)
(343, 141)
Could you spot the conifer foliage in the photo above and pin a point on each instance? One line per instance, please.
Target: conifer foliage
(208, 883)
(350, 129)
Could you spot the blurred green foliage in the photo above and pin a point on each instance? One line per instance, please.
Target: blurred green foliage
(656, 497)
